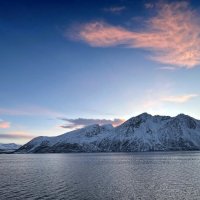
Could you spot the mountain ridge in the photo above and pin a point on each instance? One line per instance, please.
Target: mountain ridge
(144, 132)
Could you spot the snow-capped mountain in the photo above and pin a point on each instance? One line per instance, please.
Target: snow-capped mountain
(141, 133)
(9, 147)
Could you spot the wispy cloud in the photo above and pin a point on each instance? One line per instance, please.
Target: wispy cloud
(148, 5)
(115, 9)
(81, 122)
(157, 101)
(16, 135)
(161, 102)
(4, 124)
(29, 111)
(179, 99)
(170, 68)
(172, 36)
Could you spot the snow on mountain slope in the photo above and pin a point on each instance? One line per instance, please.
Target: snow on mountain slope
(141, 133)
(9, 147)
(80, 137)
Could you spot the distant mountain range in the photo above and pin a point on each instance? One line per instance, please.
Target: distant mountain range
(11, 147)
(141, 133)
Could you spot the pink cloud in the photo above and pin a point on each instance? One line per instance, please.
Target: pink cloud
(102, 35)
(172, 36)
(4, 124)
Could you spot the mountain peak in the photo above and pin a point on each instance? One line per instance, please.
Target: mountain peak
(144, 115)
(183, 116)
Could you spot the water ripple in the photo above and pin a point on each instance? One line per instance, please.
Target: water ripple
(135, 176)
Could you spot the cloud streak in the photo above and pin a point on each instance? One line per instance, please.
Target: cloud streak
(115, 9)
(149, 5)
(179, 99)
(82, 122)
(157, 101)
(16, 135)
(172, 36)
(29, 111)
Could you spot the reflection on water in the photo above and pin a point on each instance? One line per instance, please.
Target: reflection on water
(172, 175)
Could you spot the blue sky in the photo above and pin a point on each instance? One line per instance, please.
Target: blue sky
(66, 64)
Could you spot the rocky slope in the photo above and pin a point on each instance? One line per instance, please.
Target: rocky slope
(141, 133)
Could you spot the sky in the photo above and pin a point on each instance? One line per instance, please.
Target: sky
(66, 64)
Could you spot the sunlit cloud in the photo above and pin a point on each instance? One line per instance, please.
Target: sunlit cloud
(179, 99)
(81, 122)
(115, 9)
(172, 36)
(4, 124)
(100, 34)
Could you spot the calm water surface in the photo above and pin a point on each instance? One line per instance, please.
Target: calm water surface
(148, 176)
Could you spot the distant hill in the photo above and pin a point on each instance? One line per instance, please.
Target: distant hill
(5, 148)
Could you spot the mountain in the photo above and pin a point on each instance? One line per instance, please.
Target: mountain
(141, 133)
(4, 148)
